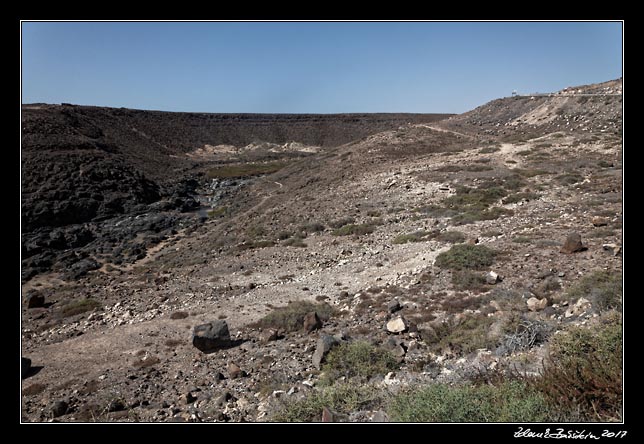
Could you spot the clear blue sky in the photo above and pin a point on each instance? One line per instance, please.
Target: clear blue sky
(316, 67)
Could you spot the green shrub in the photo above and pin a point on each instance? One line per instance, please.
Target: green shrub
(291, 317)
(583, 374)
(462, 256)
(569, 178)
(217, 212)
(357, 230)
(469, 280)
(466, 197)
(602, 288)
(313, 227)
(416, 236)
(463, 336)
(342, 398)
(512, 401)
(475, 215)
(79, 306)
(522, 240)
(357, 359)
(339, 223)
(518, 197)
(452, 237)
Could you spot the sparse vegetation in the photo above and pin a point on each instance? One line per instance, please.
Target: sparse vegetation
(452, 237)
(353, 229)
(339, 223)
(294, 242)
(416, 236)
(602, 288)
(313, 227)
(357, 359)
(465, 256)
(569, 178)
(519, 197)
(245, 170)
(512, 401)
(489, 150)
(469, 280)
(341, 398)
(464, 335)
(79, 306)
(251, 245)
(291, 317)
(583, 375)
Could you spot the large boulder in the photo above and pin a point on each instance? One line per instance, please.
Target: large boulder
(312, 322)
(211, 336)
(397, 325)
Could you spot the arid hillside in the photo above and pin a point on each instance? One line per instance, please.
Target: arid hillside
(394, 268)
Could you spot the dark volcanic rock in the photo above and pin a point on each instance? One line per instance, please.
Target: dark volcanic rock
(211, 336)
(35, 300)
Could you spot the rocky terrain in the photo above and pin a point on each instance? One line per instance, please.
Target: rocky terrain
(333, 263)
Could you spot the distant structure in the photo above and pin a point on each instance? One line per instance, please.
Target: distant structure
(514, 93)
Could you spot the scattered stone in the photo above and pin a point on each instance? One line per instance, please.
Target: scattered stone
(580, 307)
(492, 278)
(324, 345)
(393, 306)
(234, 371)
(380, 416)
(397, 325)
(535, 304)
(188, 398)
(36, 300)
(25, 367)
(211, 336)
(312, 322)
(268, 335)
(573, 244)
(443, 187)
(59, 408)
(612, 248)
(599, 221)
(327, 415)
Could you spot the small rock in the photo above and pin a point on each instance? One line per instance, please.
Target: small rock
(393, 306)
(443, 187)
(327, 415)
(211, 336)
(535, 304)
(572, 244)
(59, 408)
(613, 248)
(312, 322)
(25, 367)
(268, 335)
(580, 307)
(234, 371)
(397, 325)
(599, 221)
(324, 344)
(219, 376)
(473, 241)
(36, 300)
(492, 278)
